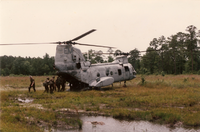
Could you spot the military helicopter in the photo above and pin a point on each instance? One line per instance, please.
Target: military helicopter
(81, 74)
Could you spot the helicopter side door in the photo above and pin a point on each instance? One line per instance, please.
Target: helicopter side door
(126, 73)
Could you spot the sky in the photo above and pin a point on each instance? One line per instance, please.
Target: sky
(124, 24)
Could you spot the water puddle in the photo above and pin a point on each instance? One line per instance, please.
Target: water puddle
(109, 124)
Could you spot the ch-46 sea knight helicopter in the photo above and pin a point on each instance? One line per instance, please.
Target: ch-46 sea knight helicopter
(81, 74)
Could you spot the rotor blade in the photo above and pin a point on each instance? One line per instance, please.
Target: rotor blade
(29, 43)
(93, 45)
(83, 35)
(149, 50)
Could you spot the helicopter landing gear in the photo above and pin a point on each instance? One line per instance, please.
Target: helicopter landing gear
(124, 84)
(97, 88)
(76, 86)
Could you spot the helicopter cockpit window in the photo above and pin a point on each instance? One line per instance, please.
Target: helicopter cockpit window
(126, 68)
(119, 72)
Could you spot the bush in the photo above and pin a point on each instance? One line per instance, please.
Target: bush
(143, 80)
(198, 72)
(148, 73)
(185, 80)
(163, 73)
(143, 71)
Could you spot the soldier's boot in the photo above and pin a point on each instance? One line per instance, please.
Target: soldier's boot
(63, 89)
(55, 87)
(34, 89)
(58, 88)
(51, 90)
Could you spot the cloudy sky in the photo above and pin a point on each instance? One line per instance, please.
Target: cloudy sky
(124, 24)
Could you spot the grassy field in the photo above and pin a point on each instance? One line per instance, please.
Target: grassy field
(168, 100)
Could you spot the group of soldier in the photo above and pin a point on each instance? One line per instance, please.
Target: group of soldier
(50, 84)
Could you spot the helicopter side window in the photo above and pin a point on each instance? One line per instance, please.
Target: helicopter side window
(78, 65)
(98, 74)
(107, 72)
(74, 57)
(126, 69)
(111, 73)
(119, 72)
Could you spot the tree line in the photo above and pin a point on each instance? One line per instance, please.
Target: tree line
(176, 54)
(27, 66)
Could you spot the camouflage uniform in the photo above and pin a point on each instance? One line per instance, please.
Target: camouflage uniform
(32, 84)
(63, 81)
(52, 85)
(46, 85)
(58, 83)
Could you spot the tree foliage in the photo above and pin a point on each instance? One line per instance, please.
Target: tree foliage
(177, 54)
(26, 66)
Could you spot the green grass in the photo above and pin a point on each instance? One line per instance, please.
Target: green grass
(165, 100)
(15, 117)
(21, 81)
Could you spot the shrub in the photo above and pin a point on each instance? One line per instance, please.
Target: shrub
(163, 73)
(143, 80)
(185, 80)
(198, 72)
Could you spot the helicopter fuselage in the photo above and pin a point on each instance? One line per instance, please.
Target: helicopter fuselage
(71, 65)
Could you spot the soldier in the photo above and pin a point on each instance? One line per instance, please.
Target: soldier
(46, 85)
(32, 84)
(58, 83)
(63, 81)
(52, 85)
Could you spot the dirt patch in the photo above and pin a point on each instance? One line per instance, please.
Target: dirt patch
(7, 88)
(38, 106)
(49, 126)
(80, 112)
